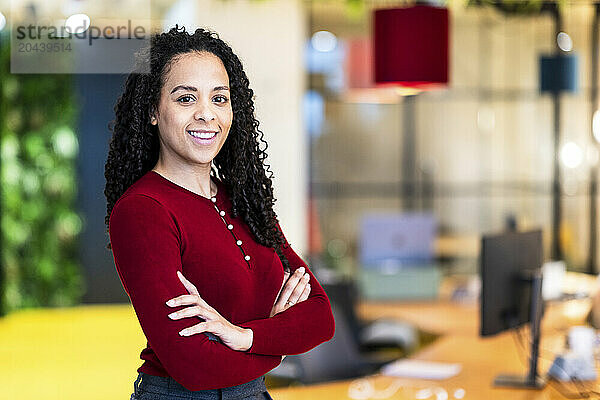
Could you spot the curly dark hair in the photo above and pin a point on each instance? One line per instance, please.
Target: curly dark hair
(134, 146)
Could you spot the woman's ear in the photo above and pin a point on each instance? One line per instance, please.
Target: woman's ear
(153, 119)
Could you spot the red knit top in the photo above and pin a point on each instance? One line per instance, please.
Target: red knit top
(157, 228)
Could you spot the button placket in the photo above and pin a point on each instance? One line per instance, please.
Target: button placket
(229, 226)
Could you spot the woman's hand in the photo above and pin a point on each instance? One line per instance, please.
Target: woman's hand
(235, 337)
(294, 289)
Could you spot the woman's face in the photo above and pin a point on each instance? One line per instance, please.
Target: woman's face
(194, 112)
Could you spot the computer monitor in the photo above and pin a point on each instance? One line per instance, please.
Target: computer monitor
(403, 237)
(511, 293)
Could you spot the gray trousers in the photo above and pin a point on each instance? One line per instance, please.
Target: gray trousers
(150, 387)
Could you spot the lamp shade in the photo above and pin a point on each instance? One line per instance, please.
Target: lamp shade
(558, 73)
(410, 46)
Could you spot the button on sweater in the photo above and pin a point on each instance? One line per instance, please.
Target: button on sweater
(157, 228)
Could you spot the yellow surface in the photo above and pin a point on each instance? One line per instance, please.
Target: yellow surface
(85, 352)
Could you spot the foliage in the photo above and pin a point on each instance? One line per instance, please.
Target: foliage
(355, 9)
(521, 7)
(38, 189)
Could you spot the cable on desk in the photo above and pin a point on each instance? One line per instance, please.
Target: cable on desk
(555, 384)
(521, 333)
(363, 388)
(559, 387)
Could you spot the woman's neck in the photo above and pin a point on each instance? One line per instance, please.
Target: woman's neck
(197, 180)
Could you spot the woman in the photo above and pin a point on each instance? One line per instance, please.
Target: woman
(189, 245)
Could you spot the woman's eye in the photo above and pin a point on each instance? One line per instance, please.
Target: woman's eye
(223, 99)
(185, 99)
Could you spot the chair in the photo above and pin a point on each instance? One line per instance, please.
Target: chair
(338, 358)
(370, 335)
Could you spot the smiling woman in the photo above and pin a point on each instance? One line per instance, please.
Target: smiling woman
(191, 223)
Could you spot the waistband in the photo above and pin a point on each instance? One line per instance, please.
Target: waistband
(166, 385)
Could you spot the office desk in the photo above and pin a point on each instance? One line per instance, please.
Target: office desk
(481, 358)
(445, 317)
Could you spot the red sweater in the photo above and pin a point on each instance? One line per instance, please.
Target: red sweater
(158, 227)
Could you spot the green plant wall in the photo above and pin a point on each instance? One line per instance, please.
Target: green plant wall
(39, 223)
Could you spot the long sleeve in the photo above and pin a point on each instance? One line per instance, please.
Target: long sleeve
(301, 327)
(145, 242)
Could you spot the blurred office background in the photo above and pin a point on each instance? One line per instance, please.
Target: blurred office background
(478, 154)
(483, 146)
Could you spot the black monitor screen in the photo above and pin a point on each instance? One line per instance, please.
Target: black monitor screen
(505, 294)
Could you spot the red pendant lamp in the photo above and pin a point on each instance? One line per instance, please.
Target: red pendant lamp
(410, 47)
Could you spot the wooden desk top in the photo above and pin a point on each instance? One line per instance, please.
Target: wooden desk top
(445, 316)
(481, 361)
(481, 358)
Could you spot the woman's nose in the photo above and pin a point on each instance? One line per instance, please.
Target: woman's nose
(204, 112)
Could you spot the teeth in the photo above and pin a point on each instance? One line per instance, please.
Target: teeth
(202, 135)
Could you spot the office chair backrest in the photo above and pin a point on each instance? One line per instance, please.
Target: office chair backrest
(338, 358)
(345, 295)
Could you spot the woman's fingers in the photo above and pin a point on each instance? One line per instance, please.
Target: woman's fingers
(188, 285)
(199, 308)
(185, 299)
(289, 287)
(295, 288)
(187, 312)
(198, 328)
(305, 293)
(192, 298)
(286, 275)
(297, 292)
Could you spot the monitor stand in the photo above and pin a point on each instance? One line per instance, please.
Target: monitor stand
(519, 381)
(532, 380)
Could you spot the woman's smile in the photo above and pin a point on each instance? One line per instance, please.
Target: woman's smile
(203, 137)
